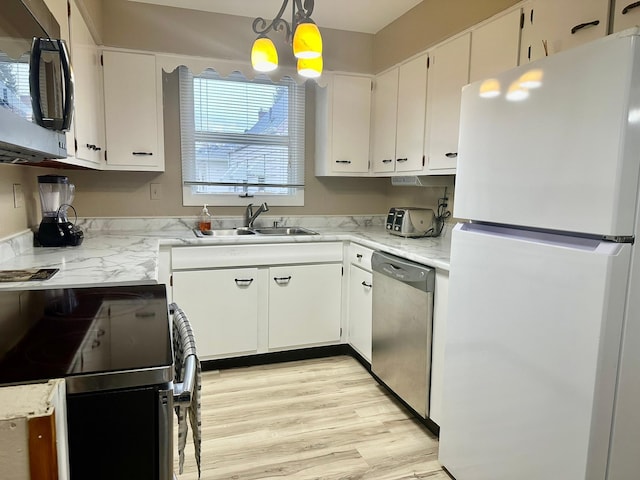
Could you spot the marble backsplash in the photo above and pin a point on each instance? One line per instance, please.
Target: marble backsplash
(15, 245)
(154, 224)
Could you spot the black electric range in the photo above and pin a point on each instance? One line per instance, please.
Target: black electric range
(85, 335)
(112, 345)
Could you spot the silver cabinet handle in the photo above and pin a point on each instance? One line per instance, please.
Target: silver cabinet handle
(365, 284)
(243, 282)
(282, 280)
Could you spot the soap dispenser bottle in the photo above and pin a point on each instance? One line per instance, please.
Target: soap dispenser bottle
(204, 224)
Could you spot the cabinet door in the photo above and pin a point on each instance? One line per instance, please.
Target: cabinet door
(626, 14)
(561, 25)
(351, 123)
(131, 112)
(385, 103)
(304, 305)
(222, 306)
(412, 99)
(495, 46)
(360, 297)
(448, 73)
(88, 113)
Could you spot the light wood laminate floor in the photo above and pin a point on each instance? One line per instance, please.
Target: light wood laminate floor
(313, 419)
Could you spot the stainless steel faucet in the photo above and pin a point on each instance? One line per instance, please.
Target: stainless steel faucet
(250, 216)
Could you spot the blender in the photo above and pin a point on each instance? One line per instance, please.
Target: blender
(56, 195)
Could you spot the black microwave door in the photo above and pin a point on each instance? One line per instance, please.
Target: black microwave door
(51, 84)
(18, 27)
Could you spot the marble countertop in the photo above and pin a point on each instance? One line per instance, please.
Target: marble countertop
(108, 257)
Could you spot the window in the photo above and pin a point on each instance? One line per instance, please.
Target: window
(241, 139)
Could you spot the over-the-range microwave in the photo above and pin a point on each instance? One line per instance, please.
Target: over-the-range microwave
(36, 84)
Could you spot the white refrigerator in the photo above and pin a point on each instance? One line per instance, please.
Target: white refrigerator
(542, 355)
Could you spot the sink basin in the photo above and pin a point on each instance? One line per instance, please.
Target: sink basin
(224, 232)
(232, 232)
(284, 231)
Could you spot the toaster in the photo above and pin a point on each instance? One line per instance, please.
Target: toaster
(411, 222)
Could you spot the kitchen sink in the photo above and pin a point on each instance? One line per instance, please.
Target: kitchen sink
(284, 231)
(232, 232)
(223, 232)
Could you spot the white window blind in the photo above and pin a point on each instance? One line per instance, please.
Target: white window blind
(241, 139)
(14, 85)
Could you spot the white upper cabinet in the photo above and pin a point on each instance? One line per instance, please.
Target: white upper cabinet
(88, 112)
(412, 99)
(85, 138)
(398, 117)
(551, 26)
(448, 73)
(343, 118)
(133, 112)
(495, 46)
(626, 14)
(385, 114)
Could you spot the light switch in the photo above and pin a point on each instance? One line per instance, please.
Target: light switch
(156, 191)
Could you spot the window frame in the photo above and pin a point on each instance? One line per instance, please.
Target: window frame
(189, 136)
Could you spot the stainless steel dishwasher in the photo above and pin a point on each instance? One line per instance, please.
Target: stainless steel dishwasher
(401, 330)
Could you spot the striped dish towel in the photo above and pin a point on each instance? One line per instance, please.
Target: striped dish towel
(184, 345)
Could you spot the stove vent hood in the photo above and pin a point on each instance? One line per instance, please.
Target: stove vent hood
(423, 181)
(24, 142)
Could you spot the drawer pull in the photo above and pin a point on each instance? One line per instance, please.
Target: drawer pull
(365, 284)
(282, 280)
(243, 282)
(584, 25)
(400, 160)
(387, 160)
(451, 155)
(343, 161)
(142, 153)
(631, 6)
(359, 256)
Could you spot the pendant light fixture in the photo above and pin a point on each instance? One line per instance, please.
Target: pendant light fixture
(302, 33)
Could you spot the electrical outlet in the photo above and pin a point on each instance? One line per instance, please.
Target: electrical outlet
(156, 191)
(18, 196)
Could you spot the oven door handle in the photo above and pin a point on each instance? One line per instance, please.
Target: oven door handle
(183, 392)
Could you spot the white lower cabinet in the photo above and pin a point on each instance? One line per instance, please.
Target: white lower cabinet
(248, 299)
(360, 310)
(222, 306)
(304, 305)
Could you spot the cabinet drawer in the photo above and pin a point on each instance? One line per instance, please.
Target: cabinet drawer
(217, 256)
(361, 256)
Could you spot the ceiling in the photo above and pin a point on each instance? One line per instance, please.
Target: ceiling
(366, 16)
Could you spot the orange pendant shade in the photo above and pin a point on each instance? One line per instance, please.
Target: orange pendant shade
(264, 56)
(307, 41)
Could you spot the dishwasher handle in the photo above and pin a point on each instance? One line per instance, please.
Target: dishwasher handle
(403, 270)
